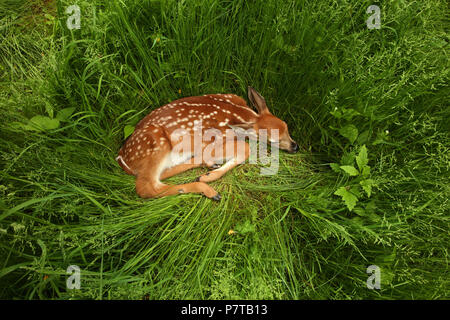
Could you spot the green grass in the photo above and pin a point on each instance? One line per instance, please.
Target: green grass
(338, 85)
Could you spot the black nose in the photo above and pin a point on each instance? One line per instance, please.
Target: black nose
(294, 146)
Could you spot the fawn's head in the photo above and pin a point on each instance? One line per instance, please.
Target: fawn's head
(267, 121)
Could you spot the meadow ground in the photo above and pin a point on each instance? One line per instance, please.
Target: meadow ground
(368, 107)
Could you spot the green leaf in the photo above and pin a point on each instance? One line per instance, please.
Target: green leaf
(64, 114)
(245, 227)
(348, 158)
(335, 167)
(336, 113)
(382, 137)
(355, 191)
(366, 171)
(363, 137)
(348, 114)
(42, 123)
(351, 170)
(367, 186)
(362, 159)
(49, 16)
(128, 130)
(350, 132)
(349, 198)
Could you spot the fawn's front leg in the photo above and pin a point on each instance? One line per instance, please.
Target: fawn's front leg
(173, 171)
(240, 152)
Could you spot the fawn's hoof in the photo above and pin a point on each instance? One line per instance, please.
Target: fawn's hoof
(198, 178)
(215, 166)
(217, 197)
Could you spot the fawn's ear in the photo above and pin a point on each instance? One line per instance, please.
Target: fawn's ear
(257, 101)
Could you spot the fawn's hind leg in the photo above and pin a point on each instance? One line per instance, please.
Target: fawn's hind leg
(148, 184)
(147, 188)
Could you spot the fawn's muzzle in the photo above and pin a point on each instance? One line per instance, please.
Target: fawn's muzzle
(294, 147)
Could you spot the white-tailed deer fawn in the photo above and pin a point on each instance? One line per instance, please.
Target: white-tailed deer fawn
(152, 153)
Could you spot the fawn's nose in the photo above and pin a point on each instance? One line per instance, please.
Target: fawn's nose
(294, 146)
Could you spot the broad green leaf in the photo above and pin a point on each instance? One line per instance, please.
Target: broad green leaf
(42, 123)
(336, 113)
(349, 198)
(363, 137)
(351, 170)
(348, 158)
(128, 130)
(49, 16)
(348, 114)
(335, 167)
(382, 137)
(367, 186)
(64, 114)
(362, 159)
(356, 191)
(245, 227)
(366, 171)
(350, 132)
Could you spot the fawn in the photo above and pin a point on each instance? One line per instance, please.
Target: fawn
(151, 154)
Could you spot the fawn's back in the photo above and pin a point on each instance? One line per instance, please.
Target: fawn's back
(154, 133)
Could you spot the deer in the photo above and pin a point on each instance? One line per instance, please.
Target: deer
(150, 153)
